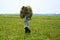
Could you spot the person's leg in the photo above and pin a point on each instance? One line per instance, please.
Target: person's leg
(26, 26)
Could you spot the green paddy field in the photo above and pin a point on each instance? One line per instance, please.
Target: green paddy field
(42, 28)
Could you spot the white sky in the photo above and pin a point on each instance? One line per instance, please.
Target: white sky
(38, 6)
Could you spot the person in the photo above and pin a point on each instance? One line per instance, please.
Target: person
(26, 25)
(26, 14)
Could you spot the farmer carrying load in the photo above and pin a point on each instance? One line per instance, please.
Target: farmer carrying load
(26, 14)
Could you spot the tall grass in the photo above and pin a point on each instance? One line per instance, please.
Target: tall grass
(42, 28)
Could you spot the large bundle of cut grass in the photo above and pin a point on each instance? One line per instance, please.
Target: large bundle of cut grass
(26, 11)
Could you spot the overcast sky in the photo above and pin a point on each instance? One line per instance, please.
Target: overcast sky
(38, 6)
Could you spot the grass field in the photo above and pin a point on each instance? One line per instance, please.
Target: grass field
(42, 28)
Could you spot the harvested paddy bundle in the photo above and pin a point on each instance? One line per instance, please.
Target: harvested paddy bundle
(26, 11)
